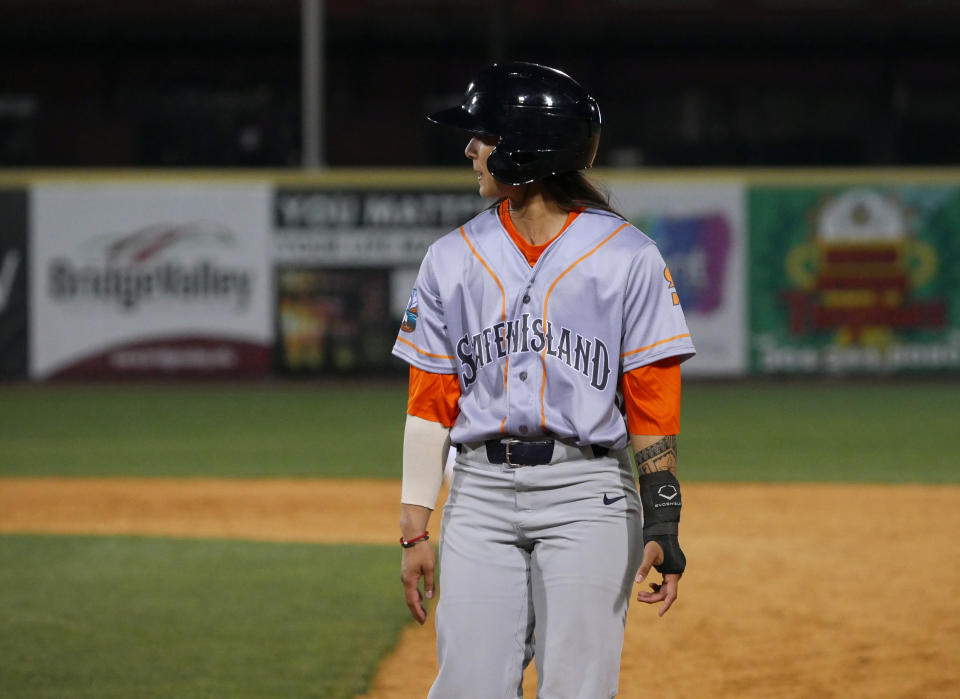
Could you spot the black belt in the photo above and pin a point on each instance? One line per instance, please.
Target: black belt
(516, 452)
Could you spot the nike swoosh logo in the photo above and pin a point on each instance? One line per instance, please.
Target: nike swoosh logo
(609, 501)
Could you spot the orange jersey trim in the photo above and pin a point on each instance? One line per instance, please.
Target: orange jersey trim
(546, 300)
(424, 352)
(652, 397)
(434, 397)
(530, 251)
(503, 305)
(658, 342)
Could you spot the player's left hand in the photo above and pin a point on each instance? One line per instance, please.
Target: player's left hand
(666, 590)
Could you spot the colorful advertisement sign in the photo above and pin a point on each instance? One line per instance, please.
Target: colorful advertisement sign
(333, 321)
(347, 259)
(700, 230)
(855, 279)
(13, 284)
(141, 280)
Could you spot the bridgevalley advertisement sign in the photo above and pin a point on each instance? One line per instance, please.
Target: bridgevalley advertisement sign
(150, 279)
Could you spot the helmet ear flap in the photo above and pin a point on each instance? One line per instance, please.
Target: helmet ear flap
(513, 167)
(523, 157)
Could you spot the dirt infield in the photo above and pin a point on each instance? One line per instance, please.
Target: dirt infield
(792, 590)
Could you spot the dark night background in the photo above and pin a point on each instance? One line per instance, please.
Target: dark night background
(187, 83)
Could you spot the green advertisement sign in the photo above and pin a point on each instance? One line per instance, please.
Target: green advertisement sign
(859, 279)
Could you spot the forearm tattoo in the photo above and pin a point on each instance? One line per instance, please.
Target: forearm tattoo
(659, 456)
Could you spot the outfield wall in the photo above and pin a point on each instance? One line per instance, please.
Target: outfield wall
(197, 273)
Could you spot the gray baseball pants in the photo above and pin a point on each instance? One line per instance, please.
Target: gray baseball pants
(536, 562)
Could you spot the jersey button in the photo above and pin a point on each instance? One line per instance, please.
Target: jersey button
(523, 429)
(526, 298)
(523, 376)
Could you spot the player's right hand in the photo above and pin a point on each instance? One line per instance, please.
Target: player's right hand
(418, 562)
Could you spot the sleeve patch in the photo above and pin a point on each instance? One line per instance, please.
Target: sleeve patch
(409, 323)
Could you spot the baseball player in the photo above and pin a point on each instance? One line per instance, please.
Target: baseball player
(525, 325)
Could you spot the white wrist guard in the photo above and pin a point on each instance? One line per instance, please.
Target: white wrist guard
(425, 446)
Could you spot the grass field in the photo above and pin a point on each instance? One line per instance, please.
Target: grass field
(277, 429)
(843, 431)
(140, 617)
(152, 617)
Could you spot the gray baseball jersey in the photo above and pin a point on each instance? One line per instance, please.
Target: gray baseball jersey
(538, 350)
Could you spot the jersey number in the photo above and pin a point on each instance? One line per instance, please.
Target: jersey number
(666, 275)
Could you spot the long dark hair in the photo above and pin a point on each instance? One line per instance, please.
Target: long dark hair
(574, 190)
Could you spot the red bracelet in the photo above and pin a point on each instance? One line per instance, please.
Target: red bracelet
(407, 543)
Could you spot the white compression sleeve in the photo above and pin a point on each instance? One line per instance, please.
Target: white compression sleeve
(424, 453)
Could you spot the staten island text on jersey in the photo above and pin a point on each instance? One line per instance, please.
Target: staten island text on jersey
(493, 343)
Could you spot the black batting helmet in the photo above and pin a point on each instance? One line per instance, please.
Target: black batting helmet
(546, 122)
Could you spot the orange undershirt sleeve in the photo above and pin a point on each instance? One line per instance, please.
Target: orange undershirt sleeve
(652, 397)
(434, 397)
